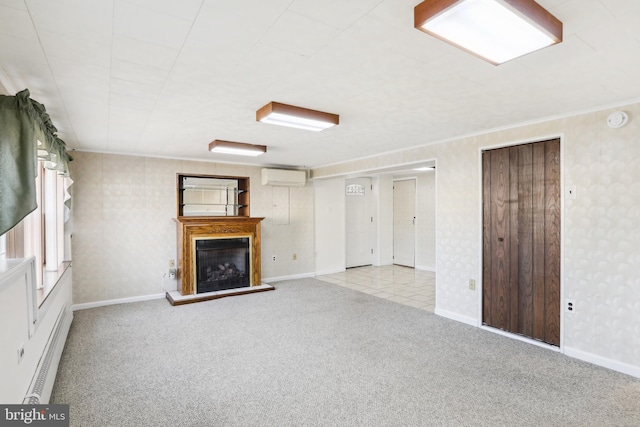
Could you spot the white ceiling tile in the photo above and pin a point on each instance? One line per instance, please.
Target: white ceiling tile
(581, 15)
(77, 49)
(88, 20)
(396, 13)
(242, 14)
(298, 34)
(226, 31)
(126, 102)
(89, 77)
(140, 52)
(265, 65)
(184, 9)
(149, 26)
(337, 13)
(122, 70)
(210, 60)
(19, 55)
(15, 4)
(16, 23)
(135, 89)
(89, 118)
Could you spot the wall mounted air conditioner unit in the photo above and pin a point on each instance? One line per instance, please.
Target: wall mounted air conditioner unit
(284, 177)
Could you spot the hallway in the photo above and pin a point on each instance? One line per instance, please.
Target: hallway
(405, 285)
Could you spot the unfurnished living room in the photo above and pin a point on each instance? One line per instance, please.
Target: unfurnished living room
(319, 213)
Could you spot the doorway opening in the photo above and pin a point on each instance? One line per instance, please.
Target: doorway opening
(359, 222)
(404, 222)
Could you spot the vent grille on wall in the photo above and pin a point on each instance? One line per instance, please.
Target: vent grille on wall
(42, 383)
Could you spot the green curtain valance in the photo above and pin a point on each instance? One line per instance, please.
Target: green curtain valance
(26, 134)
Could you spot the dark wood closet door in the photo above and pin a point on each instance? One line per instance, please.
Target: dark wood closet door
(521, 240)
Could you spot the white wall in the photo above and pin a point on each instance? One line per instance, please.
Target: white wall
(383, 219)
(383, 192)
(124, 234)
(426, 221)
(15, 320)
(600, 228)
(330, 233)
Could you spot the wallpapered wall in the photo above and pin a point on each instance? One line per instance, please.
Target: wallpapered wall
(124, 235)
(601, 227)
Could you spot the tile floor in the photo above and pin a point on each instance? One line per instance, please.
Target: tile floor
(405, 285)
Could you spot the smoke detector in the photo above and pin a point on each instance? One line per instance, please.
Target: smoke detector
(617, 119)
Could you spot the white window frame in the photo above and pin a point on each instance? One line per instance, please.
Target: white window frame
(41, 233)
(3, 246)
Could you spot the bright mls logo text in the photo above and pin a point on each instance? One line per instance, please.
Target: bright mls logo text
(28, 416)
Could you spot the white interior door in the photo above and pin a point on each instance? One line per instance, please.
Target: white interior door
(359, 220)
(404, 219)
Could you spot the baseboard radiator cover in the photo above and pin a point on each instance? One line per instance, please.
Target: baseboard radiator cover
(45, 374)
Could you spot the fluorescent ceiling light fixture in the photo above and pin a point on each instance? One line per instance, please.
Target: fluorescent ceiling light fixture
(237, 148)
(276, 113)
(425, 168)
(494, 30)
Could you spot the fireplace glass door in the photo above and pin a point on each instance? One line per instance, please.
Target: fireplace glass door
(222, 263)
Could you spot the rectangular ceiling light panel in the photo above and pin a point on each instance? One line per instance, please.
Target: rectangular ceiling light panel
(495, 30)
(236, 148)
(302, 118)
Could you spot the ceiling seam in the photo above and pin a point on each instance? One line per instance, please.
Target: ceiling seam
(44, 53)
(173, 64)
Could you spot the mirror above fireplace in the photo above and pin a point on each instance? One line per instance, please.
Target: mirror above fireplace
(211, 195)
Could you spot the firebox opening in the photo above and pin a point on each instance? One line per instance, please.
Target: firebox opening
(222, 263)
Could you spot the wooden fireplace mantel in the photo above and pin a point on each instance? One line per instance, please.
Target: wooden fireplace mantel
(194, 227)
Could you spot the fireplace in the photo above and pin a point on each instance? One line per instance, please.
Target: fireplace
(217, 257)
(222, 263)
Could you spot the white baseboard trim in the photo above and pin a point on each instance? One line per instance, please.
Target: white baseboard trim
(605, 362)
(291, 277)
(84, 306)
(517, 337)
(426, 268)
(334, 271)
(457, 317)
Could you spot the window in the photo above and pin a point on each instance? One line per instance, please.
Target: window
(3, 247)
(41, 233)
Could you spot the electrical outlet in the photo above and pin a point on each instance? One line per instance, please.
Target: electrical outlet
(172, 273)
(273, 258)
(295, 257)
(20, 353)
(472, 284)
(172, 263)
(570, 305)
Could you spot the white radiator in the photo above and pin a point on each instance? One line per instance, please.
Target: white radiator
(45, 375)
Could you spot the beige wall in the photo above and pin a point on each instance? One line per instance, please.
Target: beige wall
(601, 227)
(124, 235)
